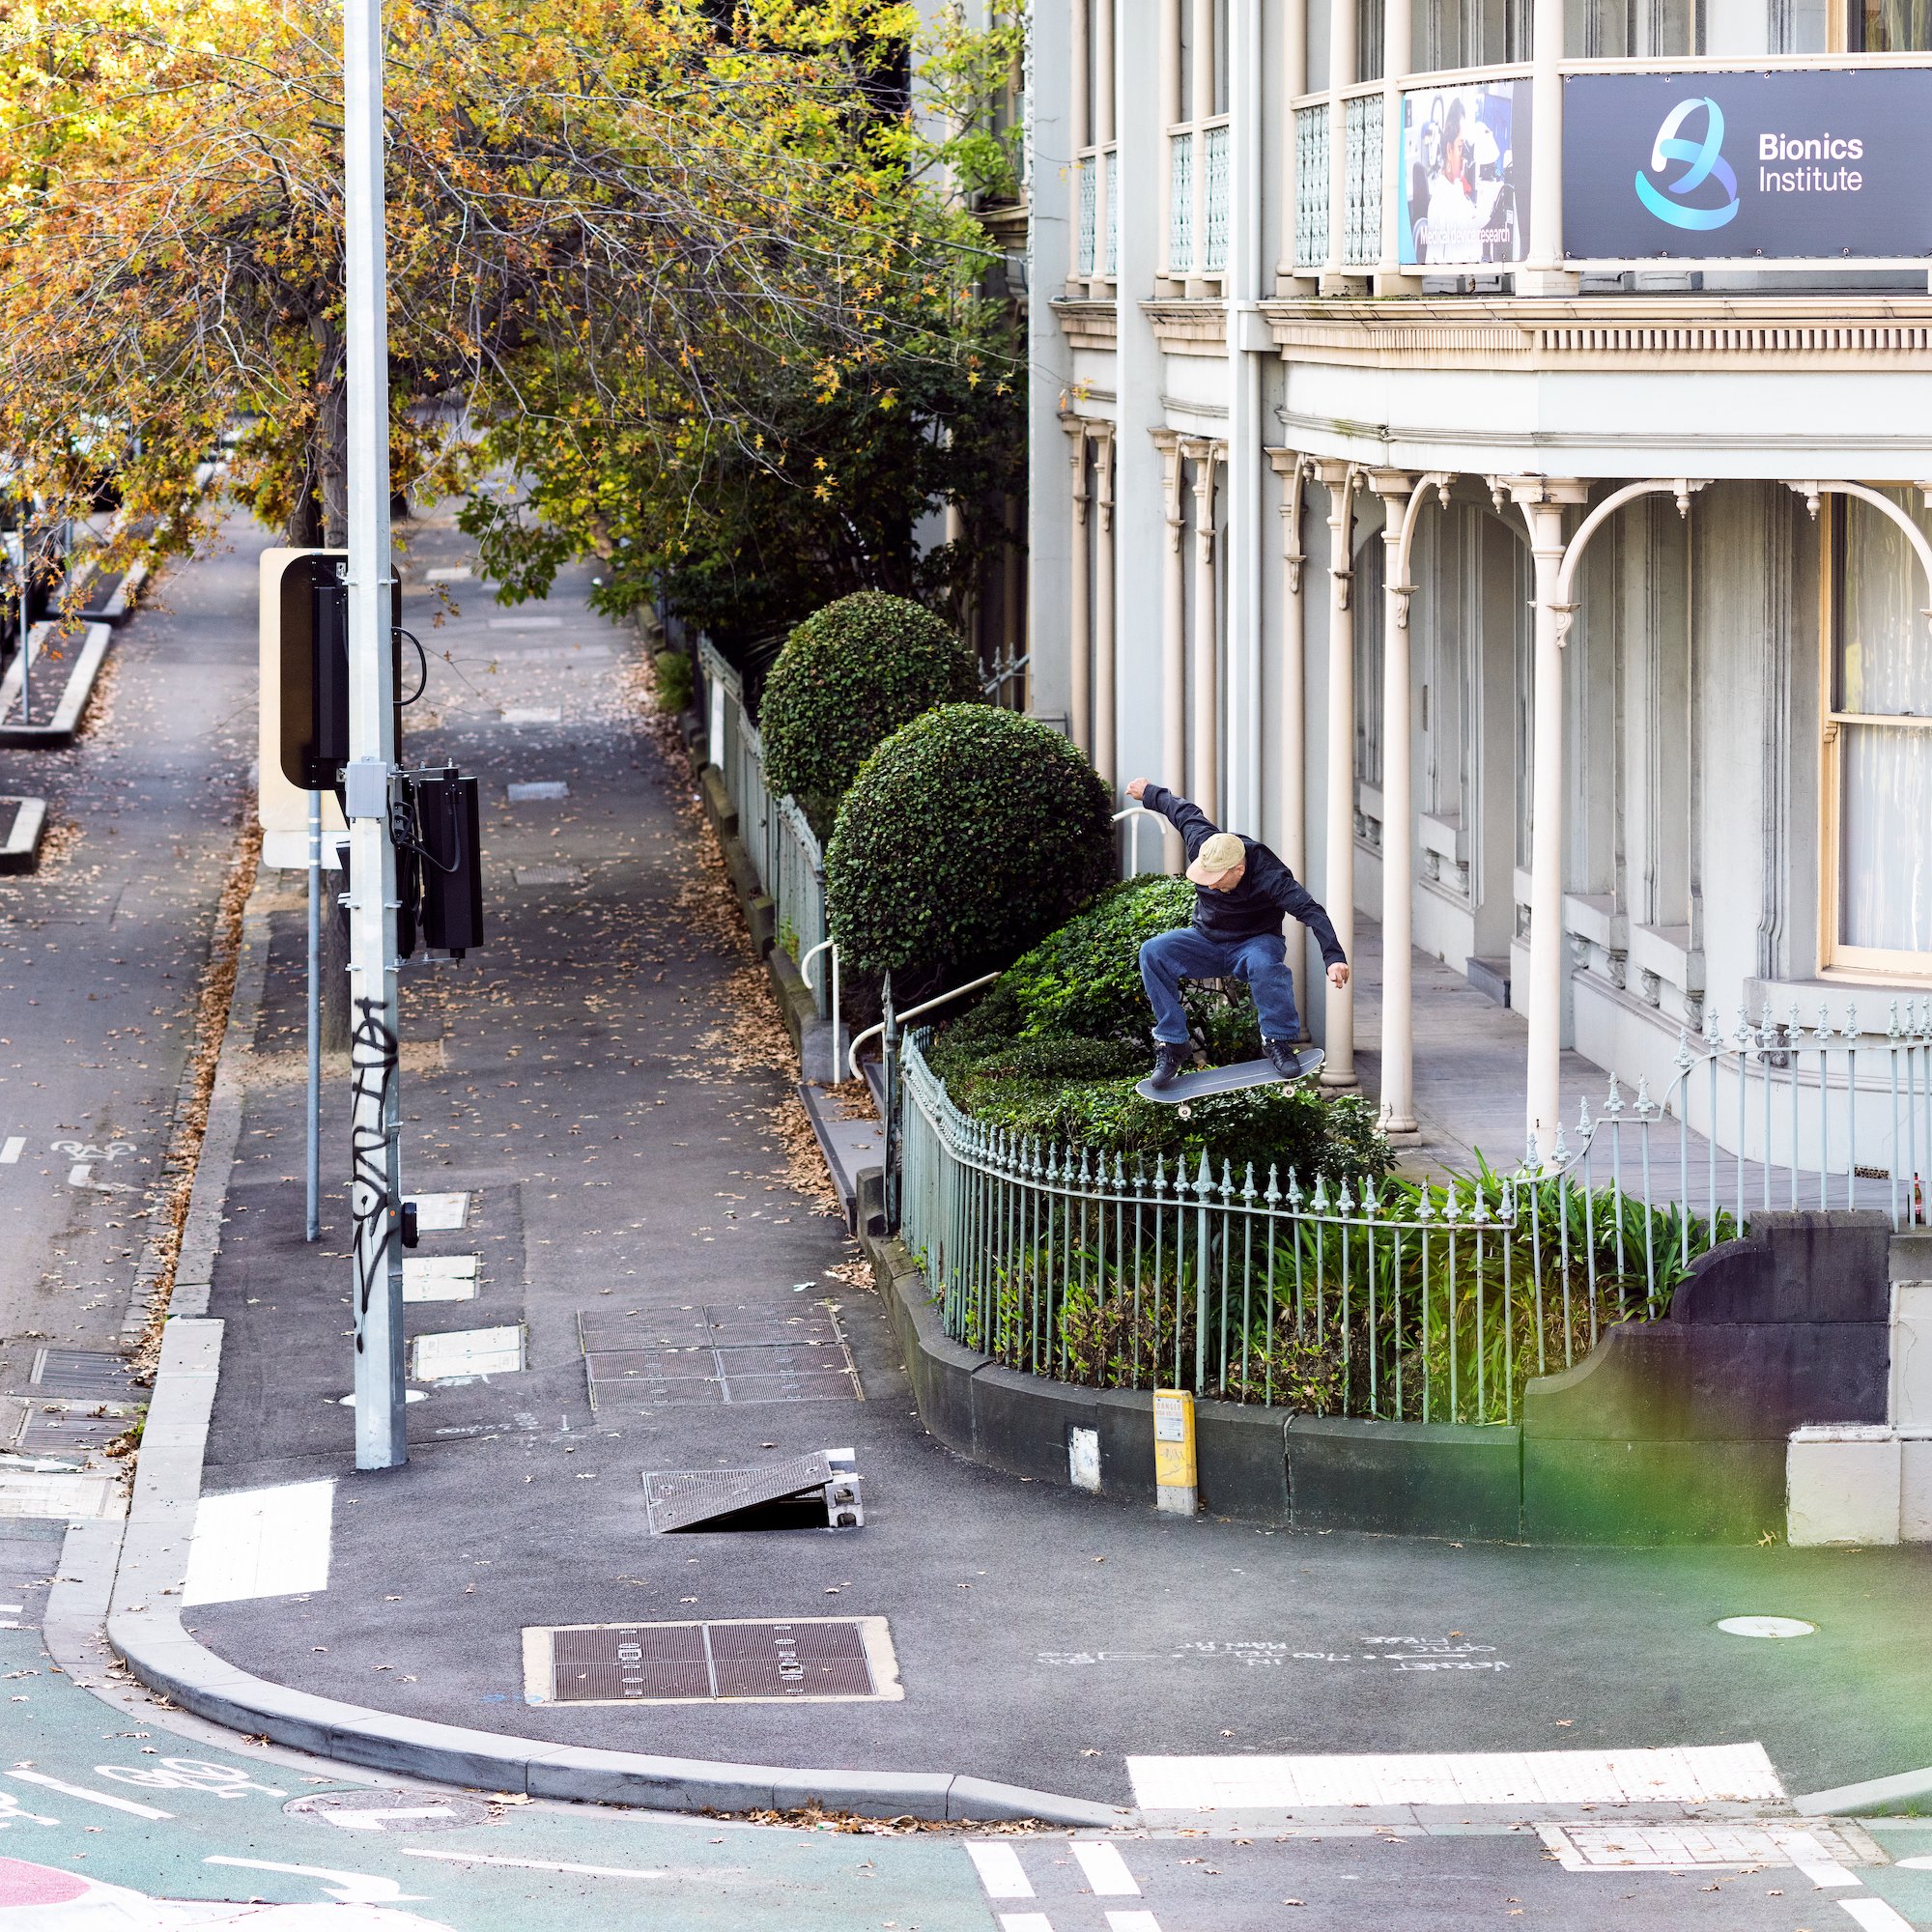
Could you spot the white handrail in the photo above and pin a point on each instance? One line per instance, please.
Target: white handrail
(1134, 846)
(913, 1012)
(804, 973)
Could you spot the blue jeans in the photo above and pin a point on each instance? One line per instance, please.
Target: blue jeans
(1185, 954)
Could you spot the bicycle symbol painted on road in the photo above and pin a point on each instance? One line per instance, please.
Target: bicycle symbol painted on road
(188, 1773)
(93, 1149)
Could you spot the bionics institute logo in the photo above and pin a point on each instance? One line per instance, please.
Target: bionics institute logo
(1671, 202)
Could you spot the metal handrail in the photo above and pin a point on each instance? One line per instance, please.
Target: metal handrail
(913, 1012)
(804, 973)
(1135, 811)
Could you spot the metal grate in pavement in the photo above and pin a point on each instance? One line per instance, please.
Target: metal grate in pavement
(84, 1372)
(717, 1353)
(66, 1432)
(679, 1498)
(741, 1661)
(536, 791)
(548, 876)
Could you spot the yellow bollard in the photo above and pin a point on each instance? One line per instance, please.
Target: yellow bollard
(1174, 1451)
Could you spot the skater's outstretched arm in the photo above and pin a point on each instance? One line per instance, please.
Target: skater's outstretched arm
(1298, 902)
(1193, 824)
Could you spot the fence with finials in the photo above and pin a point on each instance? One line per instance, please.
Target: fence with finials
(1409, 1300)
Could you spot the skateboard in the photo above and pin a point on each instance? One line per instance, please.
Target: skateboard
(1228, 1079)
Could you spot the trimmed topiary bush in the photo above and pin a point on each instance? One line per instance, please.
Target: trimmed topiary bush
(847, 678)
(967, 835)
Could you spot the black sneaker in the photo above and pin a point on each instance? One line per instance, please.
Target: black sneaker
(1283, 1058)
(1168, 1061)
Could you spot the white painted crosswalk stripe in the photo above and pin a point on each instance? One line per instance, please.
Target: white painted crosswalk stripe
(11, 1149)
(1875, 1915)
(999, 1871)
(1025, 1921)
(1106, 1870)
(1131, 1922)
(1689, 1774)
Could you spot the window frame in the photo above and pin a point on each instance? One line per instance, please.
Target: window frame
(1864, 965)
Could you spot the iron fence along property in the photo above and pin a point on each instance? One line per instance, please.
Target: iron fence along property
(1395, 1299)
(784, 850)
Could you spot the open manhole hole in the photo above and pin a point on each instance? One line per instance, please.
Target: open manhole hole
(742, 1660)
(815, 1492)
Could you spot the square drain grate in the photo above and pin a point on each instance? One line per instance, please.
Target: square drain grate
(715, 1355)
(66, 1432)
(82, 1373)
(743, 1660)
(548, 876)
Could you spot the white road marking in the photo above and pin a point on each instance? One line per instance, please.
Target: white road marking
(1106, 1870)
(527, 623)
(469, 1351)
(999, 1871)
(440, 1213)
(1132, 1921)
(12, 1148)
(348, 1888)
(534, 714)
(381, 1819)
(14, 1812)
(112, 1802)
(1875, 1915)
(1025, 1921)
(260, 1543)
(535, 791)
(446, 573)
(440, 1278)
(188, 1773)
(1690, 1775)
(13, 1609)
(1826, 1877)
(526, 1864)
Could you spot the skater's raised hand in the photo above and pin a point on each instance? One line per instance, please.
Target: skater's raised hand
(1137, 788)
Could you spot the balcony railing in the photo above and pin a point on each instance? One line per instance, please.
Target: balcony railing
(1405, 205)
(1088, 186)
(1214, 200)
(1113, 250)
(1181, 202)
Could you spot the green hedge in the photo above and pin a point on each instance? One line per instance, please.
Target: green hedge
(967, 835)
(847, 678)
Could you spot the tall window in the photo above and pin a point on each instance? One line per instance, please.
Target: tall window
(1878, 747)
(1892, 26)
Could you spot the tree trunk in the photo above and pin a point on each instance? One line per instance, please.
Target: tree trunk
(330, 443)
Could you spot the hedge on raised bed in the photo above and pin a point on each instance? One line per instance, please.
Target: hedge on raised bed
(1056, 1046)
(847, 678)
(967, 835)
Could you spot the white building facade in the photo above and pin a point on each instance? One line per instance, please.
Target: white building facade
(1483, 449)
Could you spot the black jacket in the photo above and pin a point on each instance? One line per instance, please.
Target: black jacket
(1267, 889)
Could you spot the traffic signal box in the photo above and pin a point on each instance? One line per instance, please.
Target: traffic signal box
(435, 819)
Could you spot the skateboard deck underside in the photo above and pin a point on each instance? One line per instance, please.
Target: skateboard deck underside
(1210, 1080)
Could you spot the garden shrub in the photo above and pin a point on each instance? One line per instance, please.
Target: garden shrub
(847, 678)
(674, 684)
(967, 835)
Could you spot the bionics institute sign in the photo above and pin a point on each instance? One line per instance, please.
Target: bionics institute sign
(1768, 166)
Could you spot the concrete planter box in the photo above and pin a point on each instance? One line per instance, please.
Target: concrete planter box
(1406, 1478)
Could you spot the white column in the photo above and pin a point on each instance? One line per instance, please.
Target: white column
(1294, 18)
(1105, 697)
(1101, 112)
(1204, 779)
(1080, 644)
(1339, 889)
(1396, 54)
(1173, 640)
(1080, 123)
(1250, 346)
(1543, 273)
(1341, 74)
(1397, 1100)
(1543, 502)
(1170, 112)
(1290, 790)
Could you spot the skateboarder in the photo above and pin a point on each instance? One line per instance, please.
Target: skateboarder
(1242, 892)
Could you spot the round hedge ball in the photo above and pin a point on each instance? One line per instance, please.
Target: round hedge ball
(968, 836)
(847, 678)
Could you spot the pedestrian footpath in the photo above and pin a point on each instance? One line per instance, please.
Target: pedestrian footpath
(632, 1289)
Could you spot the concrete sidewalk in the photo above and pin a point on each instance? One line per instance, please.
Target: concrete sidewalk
(607, 1086)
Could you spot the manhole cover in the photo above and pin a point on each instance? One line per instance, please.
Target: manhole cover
(547, 875)
(840, 1659)
(1766, 1627)
(389, 1810)
(715, 1355)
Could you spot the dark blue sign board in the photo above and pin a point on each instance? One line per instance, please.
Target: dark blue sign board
(1767, 166)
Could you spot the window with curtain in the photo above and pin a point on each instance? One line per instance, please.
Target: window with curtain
(1878, 744)
(1365, 597)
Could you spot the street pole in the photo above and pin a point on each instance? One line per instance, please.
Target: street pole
(26, 656)
(375, 1173)
(312, 1222)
